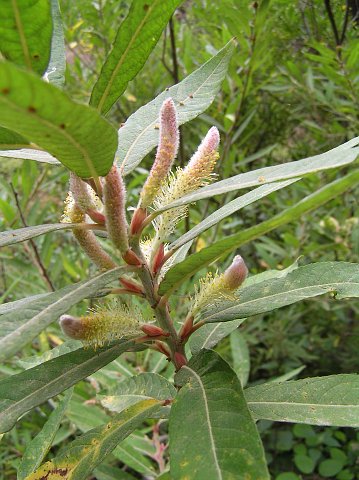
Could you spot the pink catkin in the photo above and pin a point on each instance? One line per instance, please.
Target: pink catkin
(208, 146)
(114, 197)
(166, 153)
(236, 273)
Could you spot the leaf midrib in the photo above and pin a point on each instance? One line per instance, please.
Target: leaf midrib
(213, 445)
(325, 287)
(19, 27)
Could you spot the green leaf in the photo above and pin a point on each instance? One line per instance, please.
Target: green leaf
(209, 335)
(289, 375)
(229, 209)
(106, 472)
(19, 327)
(304, 463)
(11, 306)
(30, 154)
(135, 389)
(75, 134)
(22, 234)
(340, 278)
(25, 33)
(38, 448)
(26, 390)
(180, 272)
(337, 157)
(329, 468)
(240, 356)
(192, 96)
(136, 38)
(332, 400)
(79, 458)
(9, 139)
(212, 433)
(56, 68)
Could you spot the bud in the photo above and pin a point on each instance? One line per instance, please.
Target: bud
(158, 259)
(132, 259)
(137, 220)
(131, 286)
(153, 331)
(236, 273)
(165, 155)
(180, 360)
(103, 325)
(114, 195)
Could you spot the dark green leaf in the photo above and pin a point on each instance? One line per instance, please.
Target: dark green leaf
(192, 96)
(212, 433)
(135, 40)
(340, 278)
(240, 356)
(78, 459)
(37, 449)
(25, 33)
(180, 272)
(332, 400)
(74, 134)
(229, 209)
(19, 327)
(24, 391)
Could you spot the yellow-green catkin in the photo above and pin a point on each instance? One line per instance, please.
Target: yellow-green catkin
(104, 325)
(114, 198)
(196, 174)
(215, 288)
(86, 238)
(84, 196)
(165, 155)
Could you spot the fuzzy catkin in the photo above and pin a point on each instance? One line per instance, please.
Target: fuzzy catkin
(114, 197)
(165, 155)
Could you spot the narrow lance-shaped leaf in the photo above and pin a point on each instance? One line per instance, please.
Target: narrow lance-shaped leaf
(56, 68)
(78, 459)
(75, 134)
(29, 154)
(229, 209)
(192, 96)
(38, 448)
(24, 391)
(22, 234)
(240, 356)
(180, 272)
(339, 278)
(19, 327)
(332, 400)
(25, 33)
(135, 40)
(337, 157)
(212, 432)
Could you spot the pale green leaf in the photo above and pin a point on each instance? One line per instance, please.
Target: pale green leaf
(136, 38)
(56, 68)
(38, 448)
(229, 209)
(192, 96)
(337, 157)
(78, 459)
(29, 154)
(332, 400)
(74, 134)
(22, 234)
(240, 356)
(134, 389)
(209, 335)
(212, 433)
(339, 278)
(19, 327)
(25, 33)
(21, 392)
(180, 272)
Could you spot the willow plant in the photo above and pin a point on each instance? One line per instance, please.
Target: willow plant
(198, 406)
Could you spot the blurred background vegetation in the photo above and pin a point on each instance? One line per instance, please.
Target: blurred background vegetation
(292, 91)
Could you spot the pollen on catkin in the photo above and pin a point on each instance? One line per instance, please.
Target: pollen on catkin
(165, 155)
(215, 288)
(103, 325)
(198, 173)
(84, 196)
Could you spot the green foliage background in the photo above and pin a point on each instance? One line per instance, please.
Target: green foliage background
(291, 92)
